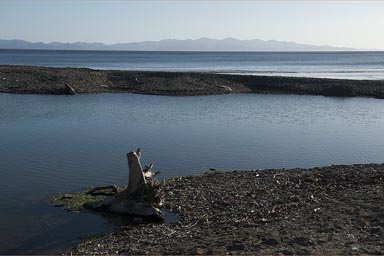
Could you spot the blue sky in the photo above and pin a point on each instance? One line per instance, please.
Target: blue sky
(358, 24)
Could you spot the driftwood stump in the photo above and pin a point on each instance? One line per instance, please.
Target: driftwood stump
(142, 198)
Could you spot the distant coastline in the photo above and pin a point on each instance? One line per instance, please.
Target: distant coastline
(201, 44)
(46, 80)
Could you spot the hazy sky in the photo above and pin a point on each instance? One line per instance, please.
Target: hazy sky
(351, 24)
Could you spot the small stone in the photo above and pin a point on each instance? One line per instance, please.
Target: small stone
(137, 220)
(200, 251)
(66, 197)
(203, 251)
(235, 247)
(271, 241)
(301, 241)
(377, 230)
(285, 252)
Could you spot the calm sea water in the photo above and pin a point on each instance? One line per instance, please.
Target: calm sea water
(350, 65)
(63, 143)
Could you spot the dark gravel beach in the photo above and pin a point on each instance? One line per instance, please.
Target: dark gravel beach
(334, 210)
(45, 80)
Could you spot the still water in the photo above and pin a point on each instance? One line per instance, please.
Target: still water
(50, 144)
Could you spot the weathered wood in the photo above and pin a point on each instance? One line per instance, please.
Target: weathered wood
(70, 90)
(136, 175)
(148, 173)
(148, 167)
(142, 197)
(113, 189)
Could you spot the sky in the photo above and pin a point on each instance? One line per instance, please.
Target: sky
(356, 24)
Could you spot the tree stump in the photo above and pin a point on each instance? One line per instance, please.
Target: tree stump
(142, 198)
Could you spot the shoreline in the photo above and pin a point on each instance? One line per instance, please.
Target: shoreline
(48, 80)
(334, 210)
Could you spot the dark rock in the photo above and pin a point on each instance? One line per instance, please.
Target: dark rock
(271, 241)
(304, 241)
(235, 247)
(376, 230)
(285, 252)
(338, 91)
(203, 251)
(137, 220)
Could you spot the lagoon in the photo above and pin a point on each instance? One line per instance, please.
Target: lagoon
(52, 144)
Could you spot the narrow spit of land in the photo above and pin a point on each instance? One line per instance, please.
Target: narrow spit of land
(45, 80)
(334, 210)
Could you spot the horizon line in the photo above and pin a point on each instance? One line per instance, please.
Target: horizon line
(200, 38)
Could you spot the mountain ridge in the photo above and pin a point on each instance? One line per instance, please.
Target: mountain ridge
(201, 44)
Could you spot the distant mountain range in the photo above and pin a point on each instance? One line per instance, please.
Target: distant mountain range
(202, 44)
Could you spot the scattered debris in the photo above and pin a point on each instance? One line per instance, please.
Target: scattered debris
(226, 88)
(70, 90)
(247, 212)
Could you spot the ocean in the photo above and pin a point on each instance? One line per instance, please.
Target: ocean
(343, 65)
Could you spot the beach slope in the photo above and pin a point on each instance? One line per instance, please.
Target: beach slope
(45, 80)
(333, 210)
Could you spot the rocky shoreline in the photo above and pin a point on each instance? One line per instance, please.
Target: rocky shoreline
(333, 210)
(46, 80)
